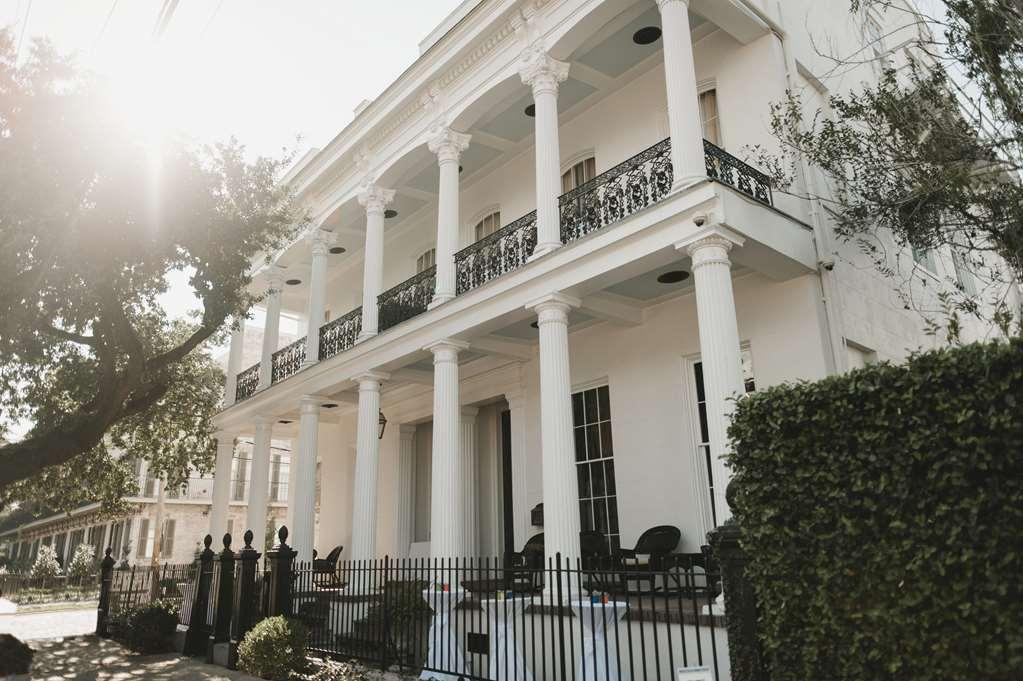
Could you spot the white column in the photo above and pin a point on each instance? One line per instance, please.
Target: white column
(719, 345)
(470, 481)
(447, 504)
(543, 75)
(367, 464)
(259, 479)
(319, 242)
(404, 490)
(448, 145)
(683, 100)
(303, 475)
(520, 509)
(272, 325)
(374, 199)
(557, 446)
(221, 483)
(234, 362)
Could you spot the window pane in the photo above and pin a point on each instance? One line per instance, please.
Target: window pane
(606, 445)
(593, 442)
(609, 477)
(612, 514)
(585, 491)
(577, 409)
(590, 397)
(604, 402)
(580, 444)
(585, 515)
(600, 515)
(596, 479)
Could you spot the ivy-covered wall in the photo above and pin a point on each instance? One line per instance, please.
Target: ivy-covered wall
(882, 515)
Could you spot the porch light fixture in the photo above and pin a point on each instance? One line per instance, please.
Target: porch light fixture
(647, 35)
(382, 420)
(530, 110)
(293, 282)
(330, 405)
(285, 422)
(337, 250)
(673, 277)
(390, 213)
(535, 325)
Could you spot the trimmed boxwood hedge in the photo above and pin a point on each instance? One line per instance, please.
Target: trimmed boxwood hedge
(882, 515)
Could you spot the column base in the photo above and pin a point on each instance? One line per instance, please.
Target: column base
(685, 182)
(543, 249)
(308, 363)
(440, 299)
(365, 335)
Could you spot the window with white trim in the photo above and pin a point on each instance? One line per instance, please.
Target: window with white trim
(708, 101)
(580, 173)
(427, 260)
(964, 278)
(594, 463)
(488, 225)
(925, 258)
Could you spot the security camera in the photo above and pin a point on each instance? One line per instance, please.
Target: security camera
(700, 220)
(828, 264)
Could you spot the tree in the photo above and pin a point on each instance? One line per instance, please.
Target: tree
(82, 563)
(928, 155)
(93, 219)
(46, 565)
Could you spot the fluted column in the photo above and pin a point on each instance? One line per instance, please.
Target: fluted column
(520, 528)
(234, 361)
(719, 346)
(470, 481)
(272, 325)
(448, 145)
(259, 480)
(404, 490)
(684, 122)
(374, 199)
(543, 74)
(447, 502)
(303, 473)
(319, 243)
(367, 464)
(557, 446)
(221, 483)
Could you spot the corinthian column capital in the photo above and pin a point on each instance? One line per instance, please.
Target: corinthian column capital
(447, 144)
(320, 240)
(374, 198)
(540, 71)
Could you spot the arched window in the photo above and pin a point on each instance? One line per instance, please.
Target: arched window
(488, 225)
(426, 260)
(580, 173)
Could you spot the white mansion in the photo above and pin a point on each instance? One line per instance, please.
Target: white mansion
(537, 272)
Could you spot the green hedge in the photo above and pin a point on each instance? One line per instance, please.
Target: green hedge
(882, 513)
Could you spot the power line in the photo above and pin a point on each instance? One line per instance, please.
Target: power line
(163, 20)
(24, 25)
(106, 22)
(212, 17)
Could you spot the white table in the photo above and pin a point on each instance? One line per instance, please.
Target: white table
(505, 622)
(446, 651)
(598, 657)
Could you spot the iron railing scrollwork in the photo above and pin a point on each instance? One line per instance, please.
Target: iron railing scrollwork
(340, 334)
(495, 254)
(617, 193)
(287, 361)
(727, 169)
(407, 299)
(246, 383)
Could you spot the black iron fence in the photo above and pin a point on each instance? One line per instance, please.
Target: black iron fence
(24, 589)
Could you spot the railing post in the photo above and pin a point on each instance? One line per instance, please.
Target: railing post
(195, 639)
(106, 578)
(224, 599)
(245, 590)
(744, 650)
(279, 560)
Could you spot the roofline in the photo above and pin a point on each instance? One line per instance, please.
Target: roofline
(56, 516)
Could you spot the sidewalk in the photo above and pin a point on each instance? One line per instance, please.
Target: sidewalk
(50, 624)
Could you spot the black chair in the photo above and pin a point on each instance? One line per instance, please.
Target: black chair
(650, 555)
(325, 569)
(594, 550)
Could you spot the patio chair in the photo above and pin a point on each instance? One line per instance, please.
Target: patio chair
(325, 569)
(650, 555)
(521, 573)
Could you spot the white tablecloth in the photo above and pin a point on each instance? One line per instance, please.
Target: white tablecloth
(506, 623)
(446, 651)
(598, 657)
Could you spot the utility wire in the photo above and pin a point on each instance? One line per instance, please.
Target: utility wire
(21, 37)
(106, 22)
(163, 20)
(212, 17)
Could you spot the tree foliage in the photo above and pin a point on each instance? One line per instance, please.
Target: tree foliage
(93, 219)
(46, 565)
(929, 151)
(83, 562)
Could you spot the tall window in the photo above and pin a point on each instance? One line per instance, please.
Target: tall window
(925, 258)
(58, 545)
(278, 478)
(581, 173)
(239, 476)
(488, 225)
(595, 466)
(116, 532)
(167, 539)
(964, 278)
(709, 116)
(703, 448)
(145, 539)
(426, 260)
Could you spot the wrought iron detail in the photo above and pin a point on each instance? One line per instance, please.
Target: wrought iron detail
(246, 383)
(287, 361)
(495, 254)
(407, 299)
(617, 193)
(727, 169)
(340, 334)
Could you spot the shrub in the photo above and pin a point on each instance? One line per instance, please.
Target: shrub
(274, 649)
(15, 656)
(882, 514)
(83, 562)
(46, 565)
(329, 670)
(149, 628)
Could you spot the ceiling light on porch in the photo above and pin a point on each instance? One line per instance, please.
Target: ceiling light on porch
(672, 277)
(530, 110)
(535, 325)
(390, 213)
(330, 405)
(284, 422)
(337, 250)
(647, 35)
(293, 282)
(382, 421)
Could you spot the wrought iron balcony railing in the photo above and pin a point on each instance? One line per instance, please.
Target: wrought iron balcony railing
(193, 489)
(338, 335)
(727, 169)
(617, 193)
(287, 361)
(496, 254)
(407, 299)
(247, 382)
